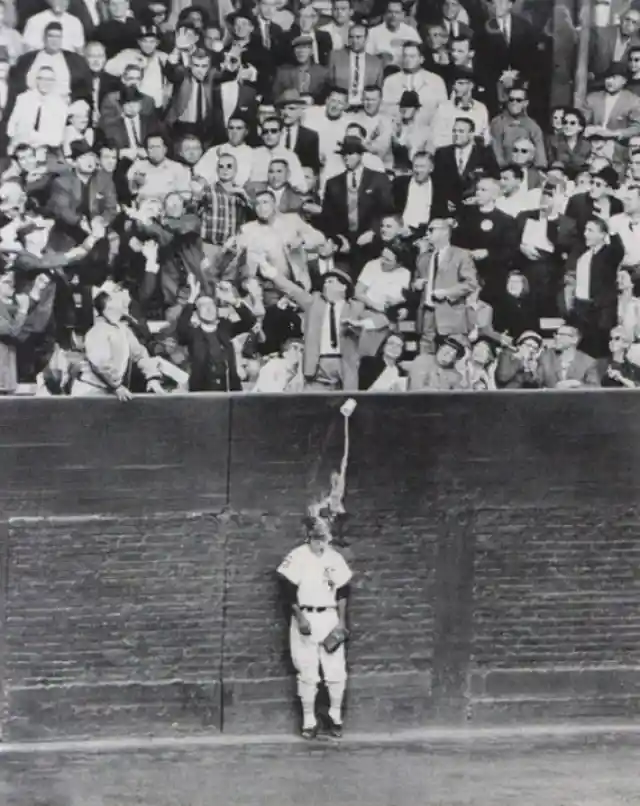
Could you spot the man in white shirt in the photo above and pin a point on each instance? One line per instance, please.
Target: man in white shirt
(462, 104)
(272, 147)
(626, 226)
(339, 27)
(377, 125)
(72, 31)
(429, 87)
(514, 198)
(161, 175)
(416, 209)
(237, 131)
(329, 121)
(39, 117)
(387, 39)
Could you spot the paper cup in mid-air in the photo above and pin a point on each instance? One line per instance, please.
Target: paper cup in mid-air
(348, 407)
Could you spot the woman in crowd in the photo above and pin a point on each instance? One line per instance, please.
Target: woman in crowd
(383, 372)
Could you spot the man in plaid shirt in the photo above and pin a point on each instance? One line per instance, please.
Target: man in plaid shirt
(224, 208)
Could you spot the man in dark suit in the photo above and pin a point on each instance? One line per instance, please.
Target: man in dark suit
(612, 43)
(457, 166)
(297, 138)
(79, 199)
(492, 238)
(287, 199)
(352, 70)
(209, 336)
(355, 202)
(91, 14)
(111, 108)
(590, 297)
(304, 76)
(267, 37)
(564, 366)
(120, 30)
(545, 239)
(321, 42)
(599, 201)
(100, 83)
(129, 129)
(30, 63)
(510, 42)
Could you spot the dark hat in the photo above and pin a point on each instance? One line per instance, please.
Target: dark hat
(79, 148)
(463, 74)
(129, 94)
(240, 14)
(449, 341)
(351, 145)
(410, 99)
(302, 39)
(617, 69)
(148, 30)
(608, 175)
(529, 335)
(340, 274)
(291, 96)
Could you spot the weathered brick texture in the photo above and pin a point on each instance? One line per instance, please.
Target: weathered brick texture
(494, 540)
(111, 612)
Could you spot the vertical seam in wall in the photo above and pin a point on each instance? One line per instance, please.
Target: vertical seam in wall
(222, 525)
(4, 592)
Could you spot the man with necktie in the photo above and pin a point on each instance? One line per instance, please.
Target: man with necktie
(446, 279)
(330, 361)
(355, 202)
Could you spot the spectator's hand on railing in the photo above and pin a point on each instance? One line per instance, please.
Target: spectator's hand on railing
(155, 387)
(123, 394)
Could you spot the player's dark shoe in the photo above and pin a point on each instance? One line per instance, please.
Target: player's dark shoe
(335, 729)
(309, 733)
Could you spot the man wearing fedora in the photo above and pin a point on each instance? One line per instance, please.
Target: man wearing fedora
(409, 135)
(298, 139)
(331, 357)
(615, 107)
(355, 202)
(304, 75)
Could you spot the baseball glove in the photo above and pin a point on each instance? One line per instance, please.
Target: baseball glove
(336, 638)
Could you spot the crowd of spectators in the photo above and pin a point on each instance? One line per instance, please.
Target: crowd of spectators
(285, 196)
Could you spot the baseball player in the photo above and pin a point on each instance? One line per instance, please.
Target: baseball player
(316, 579)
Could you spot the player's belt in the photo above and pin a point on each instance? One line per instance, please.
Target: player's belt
(316, 609)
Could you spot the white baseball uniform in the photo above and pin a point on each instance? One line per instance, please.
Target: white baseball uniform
(317, 579)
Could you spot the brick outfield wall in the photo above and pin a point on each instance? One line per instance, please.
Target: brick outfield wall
(494, 540)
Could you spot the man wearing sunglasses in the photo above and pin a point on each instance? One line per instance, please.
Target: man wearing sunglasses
(513, 124)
